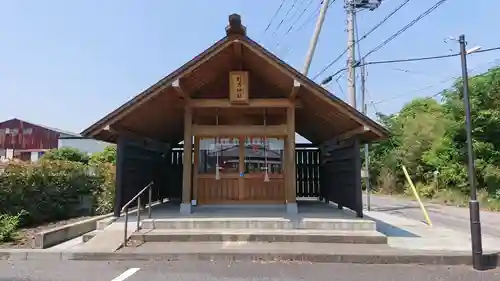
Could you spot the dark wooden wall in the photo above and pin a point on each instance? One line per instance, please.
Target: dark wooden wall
(138, 163)
(340, 174)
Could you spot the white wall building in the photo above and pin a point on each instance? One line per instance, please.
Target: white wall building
(88, 146)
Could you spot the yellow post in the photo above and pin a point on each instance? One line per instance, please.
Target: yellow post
(410, 182)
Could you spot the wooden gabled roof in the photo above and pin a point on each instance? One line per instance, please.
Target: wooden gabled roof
(158, 111)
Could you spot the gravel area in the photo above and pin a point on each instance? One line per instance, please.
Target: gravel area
(25, 236)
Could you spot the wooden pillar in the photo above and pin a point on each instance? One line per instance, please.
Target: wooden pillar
(291, 177)
(195, 167)
(188, 160)
(241, 168)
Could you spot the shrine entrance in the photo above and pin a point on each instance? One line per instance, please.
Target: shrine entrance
(236, 108)
(238, 170)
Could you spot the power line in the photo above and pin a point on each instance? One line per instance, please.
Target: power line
(410, 24)
(329, 78)
(286, 15)
(431, 85)
(294, 23)
(272, 19)
(428, 58)
(306, 22)
(375, 27)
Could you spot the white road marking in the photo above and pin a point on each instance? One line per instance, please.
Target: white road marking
(129, 272)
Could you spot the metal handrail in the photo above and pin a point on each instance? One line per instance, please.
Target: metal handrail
(137, 197)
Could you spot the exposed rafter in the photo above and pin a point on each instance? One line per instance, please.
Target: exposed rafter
(353, 132)
(178, 88)
(295, 89)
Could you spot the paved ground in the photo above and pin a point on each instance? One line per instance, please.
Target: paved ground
(207, 271)
(444, 216)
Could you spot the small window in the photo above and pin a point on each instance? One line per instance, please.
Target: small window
(7, 131)
(14, 132)
(27, 131)
(2, 132)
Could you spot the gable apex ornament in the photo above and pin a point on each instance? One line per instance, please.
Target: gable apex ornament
(235, 27)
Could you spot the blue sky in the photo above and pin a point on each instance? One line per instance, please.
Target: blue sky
(66, 64)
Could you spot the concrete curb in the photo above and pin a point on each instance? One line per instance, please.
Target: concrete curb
(58, 235)
(403, 258)
(55, 236)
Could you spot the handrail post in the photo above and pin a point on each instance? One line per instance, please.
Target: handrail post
(150, 198)
(138, 212)
(126, 224)
(126, 207)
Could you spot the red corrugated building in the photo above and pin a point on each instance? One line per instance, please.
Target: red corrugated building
(20, 139)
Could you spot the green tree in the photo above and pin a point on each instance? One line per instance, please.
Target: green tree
(429, 136)
(66, 154)
(108, 155)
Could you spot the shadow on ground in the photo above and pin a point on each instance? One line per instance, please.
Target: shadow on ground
(491, 261)
(389, 209)
(392, 231)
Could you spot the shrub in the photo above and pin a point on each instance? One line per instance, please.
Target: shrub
(66, 154)
(105, 193)
(106, 156)
(53, 190)
(9, 225)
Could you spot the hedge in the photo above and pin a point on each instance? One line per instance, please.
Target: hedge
(53, 190)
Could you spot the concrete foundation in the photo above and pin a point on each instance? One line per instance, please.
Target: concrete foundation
(185, 208)
(292, 208)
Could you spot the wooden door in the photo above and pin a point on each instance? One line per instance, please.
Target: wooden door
(227, 187)
(258, 155)
(242, 175)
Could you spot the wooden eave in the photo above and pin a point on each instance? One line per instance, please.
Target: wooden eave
(321, 117)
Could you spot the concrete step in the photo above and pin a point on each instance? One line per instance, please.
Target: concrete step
(255, 235)
(353, 224)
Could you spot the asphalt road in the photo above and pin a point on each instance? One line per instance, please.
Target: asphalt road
(447, 216)
(236, 271)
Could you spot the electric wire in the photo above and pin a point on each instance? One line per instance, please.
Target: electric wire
(282, 20)
(429, 57)
(305, 23)
(406, 27)
(375, 27)
(272, 19)
(294, 23)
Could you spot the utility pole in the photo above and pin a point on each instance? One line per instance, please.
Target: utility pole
(366, 148)
(314, 39)
(351, 71)
(475, 221)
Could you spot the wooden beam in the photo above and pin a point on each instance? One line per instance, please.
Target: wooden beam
(295, 88)
(121, 131)
(352, 133)
(239, 130)
(253, 103)
(178, 88)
